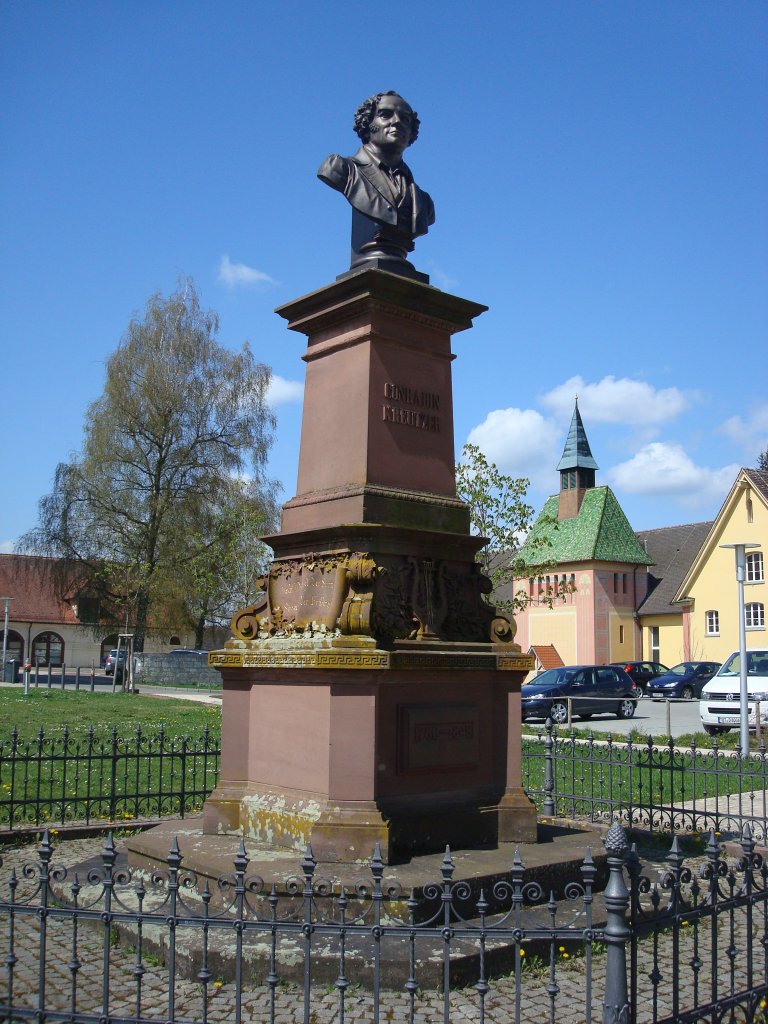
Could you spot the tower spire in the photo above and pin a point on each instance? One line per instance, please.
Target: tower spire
(576, 467)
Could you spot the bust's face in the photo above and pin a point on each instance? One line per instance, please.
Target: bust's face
(391, 127)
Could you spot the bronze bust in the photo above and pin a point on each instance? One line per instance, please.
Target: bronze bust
(389, 209)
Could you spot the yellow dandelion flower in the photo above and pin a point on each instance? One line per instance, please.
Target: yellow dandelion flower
(218, 984)
(522, 952)
(566, 956)
(562, 949)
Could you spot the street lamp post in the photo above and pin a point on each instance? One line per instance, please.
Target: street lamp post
(741, 564)
(5, 631)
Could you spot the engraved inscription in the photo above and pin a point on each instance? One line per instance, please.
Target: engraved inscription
(412, 396)
(411, 407)
(438, 737)
(309, 594)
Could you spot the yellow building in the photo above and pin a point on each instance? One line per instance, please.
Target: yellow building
(708, 594)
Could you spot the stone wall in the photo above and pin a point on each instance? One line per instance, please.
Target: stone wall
(182, 668)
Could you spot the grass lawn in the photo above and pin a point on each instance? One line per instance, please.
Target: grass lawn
(69, 773)
(51, 710)
(594, 780)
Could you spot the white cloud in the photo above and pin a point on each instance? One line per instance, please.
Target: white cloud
(236, 275)
(7, 546)
(750, 433)
(664, 468)
(281, 391)
(521, 442)
(612, 400)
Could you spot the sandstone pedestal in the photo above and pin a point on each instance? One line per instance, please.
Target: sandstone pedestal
(373, 694)
(409, 748)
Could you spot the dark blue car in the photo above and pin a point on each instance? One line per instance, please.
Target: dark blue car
(684, 680)
(592, 690)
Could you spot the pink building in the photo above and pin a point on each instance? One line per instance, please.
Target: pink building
(587, 570)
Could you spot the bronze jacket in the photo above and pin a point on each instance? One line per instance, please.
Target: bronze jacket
(369, 190)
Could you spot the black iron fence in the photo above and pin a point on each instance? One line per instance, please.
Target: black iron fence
(685, 943)
(59, 778)
(659, 788)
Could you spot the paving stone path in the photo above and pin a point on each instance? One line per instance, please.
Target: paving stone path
(150, 999)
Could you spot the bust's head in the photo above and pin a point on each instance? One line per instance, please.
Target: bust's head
(387, 121)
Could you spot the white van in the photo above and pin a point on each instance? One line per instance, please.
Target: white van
(719, 704)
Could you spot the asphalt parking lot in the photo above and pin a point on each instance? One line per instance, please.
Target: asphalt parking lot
(650, 717)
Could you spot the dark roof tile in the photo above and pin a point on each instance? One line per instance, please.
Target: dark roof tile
(672, 550)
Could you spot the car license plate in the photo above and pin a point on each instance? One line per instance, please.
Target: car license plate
(728, 719)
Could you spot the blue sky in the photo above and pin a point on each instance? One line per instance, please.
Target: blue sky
(600, 172)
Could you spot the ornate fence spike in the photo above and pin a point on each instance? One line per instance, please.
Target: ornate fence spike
(675, 857)
(377, 863)
(446, 868)
(45, 849)
(109, 852)
(747, 845)
(713, 847)
(309, 863)
(240, 861)
(588, 869)
(173, 860)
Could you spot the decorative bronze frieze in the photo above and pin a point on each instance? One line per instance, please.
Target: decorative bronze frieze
(386, 597)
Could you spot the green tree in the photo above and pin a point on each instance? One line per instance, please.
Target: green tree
(180, 418)
(762, 460)
(227, 558)
(499, 512)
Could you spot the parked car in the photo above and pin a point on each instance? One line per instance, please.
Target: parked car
(684, 680)
(719, 704)
(113, 658)
(641, 672)
(593, 689)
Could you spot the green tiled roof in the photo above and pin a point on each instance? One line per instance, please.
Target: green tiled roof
(600, 532)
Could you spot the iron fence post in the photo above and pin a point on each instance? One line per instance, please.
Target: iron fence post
(113, 777)
(617, 932)
(549, 772)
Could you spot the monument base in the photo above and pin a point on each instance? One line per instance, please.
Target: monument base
(346, 746)
(553, 860)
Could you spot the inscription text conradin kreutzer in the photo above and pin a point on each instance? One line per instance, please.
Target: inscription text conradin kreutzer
(425, 415)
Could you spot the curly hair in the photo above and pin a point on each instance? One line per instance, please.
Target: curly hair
(366, 112)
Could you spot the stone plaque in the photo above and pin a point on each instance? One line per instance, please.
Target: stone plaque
(438, 737)
(307, 593)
